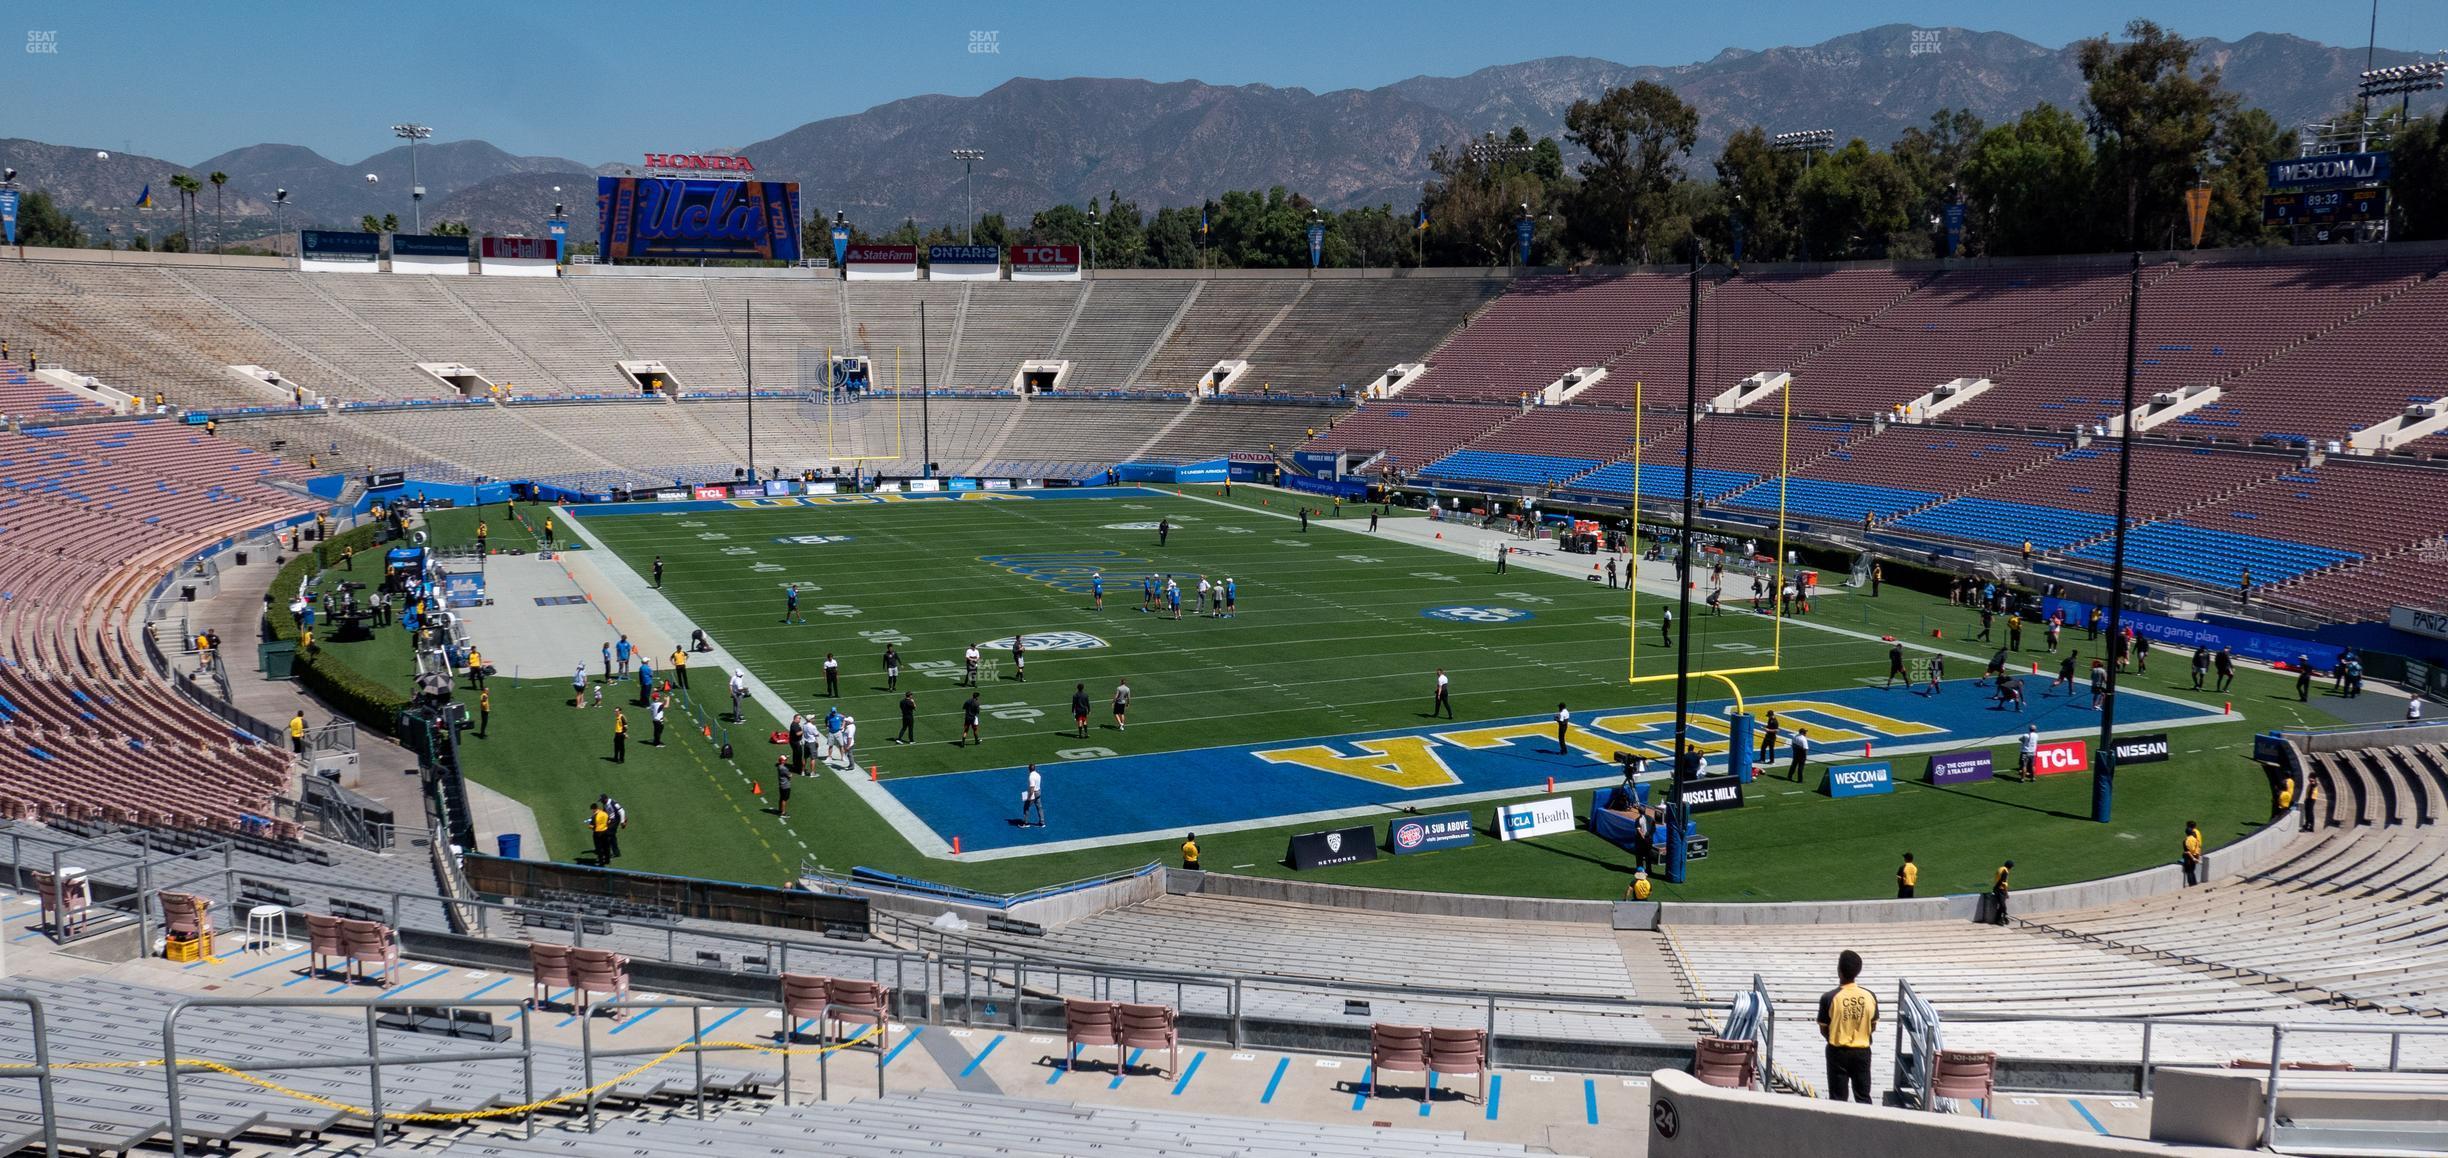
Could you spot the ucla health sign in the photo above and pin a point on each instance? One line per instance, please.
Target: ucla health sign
(669, 217)
(1537, 818)
(1430, 833)
(1860, 780)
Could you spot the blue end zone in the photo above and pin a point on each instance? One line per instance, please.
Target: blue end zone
(1135, 798)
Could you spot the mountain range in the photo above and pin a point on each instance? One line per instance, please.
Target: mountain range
(1173, 143)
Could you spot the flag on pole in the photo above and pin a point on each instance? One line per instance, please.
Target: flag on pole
(1202, 221)
(1419, 219)
(144, 200)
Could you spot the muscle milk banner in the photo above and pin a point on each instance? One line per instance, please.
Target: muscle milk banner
(519, 256)
(881, 263)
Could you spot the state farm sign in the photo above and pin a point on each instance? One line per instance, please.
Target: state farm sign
(2062, 756)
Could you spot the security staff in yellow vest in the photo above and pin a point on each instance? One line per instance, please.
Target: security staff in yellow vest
(2192, 854)
(1847, 1015)
(1908, 878)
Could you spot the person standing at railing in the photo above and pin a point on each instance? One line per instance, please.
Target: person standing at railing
(1847, 1015)
(2192, 854)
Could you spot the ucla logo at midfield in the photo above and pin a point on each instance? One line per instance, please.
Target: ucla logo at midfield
(1476, 614)
(1073, 571)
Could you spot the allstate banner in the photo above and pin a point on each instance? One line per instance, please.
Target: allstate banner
(1961, 767)
(1430, 833)
(964, 263)
(1851, 780)
(1045, 262)
(2188, 634)
(1537, 818)
(668, 217)
(8, 214)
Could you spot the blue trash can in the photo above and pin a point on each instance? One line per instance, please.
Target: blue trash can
(509, 842)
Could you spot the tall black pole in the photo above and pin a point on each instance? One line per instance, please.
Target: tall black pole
(926, 453)
(749, 304)
(2103, 761)
(1683, 555)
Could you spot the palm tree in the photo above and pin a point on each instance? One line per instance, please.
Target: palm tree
(187, 187)
(218, 179)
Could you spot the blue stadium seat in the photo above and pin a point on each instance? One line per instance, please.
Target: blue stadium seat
(1655, 480)
(1506, 467)
(1833, 500)
(2215, 557)
(2008, 524)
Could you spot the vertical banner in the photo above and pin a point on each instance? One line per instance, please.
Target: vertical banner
(1317, 243)
(841, 244)
(558, 229)
(1954, 228)
(2197, 211)
(1521, 233)
(8, 214)
(1735, 226)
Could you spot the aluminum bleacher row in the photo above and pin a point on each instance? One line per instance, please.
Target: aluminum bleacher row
(89, 517)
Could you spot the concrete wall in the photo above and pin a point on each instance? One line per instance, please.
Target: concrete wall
(2389, 736)
(1389, 900)
(1690, 1120)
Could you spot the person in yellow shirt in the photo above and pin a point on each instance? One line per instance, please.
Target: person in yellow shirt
(2192, 854)
(2286, 797)
(484, 711)
(482, 531)
(476, 666)
(679, 667)
(1908, 877)
(1640, 888)
(599, 823)
(297, 732)
(620, 736)
(1190, 858)
(1998, 892)
(1847, 1015)
(2311, 805)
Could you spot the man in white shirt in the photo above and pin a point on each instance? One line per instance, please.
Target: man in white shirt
(970, 657)
(1563, 724)
(1442, 703)
(658, 722)
(845, 743)
(2414, 710)
(2031, 753)
(1032, 798)
(739, 691)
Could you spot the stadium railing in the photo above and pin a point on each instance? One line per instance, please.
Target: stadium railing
(41, 1069)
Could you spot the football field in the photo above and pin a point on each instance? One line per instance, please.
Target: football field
(1308, 707)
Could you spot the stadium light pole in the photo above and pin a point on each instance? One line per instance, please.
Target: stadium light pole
(1683, 553)
(412, 133)
(280, 217)
(2103, 761)
(748, 305)
(1809, 143)
(967, 158)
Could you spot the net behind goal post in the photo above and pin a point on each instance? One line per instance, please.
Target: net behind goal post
(855, 431)
(1735, 594)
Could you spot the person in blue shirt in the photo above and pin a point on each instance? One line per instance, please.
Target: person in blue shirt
(1231, 598)
(620, 654)
(645, 677)
(1096, 586)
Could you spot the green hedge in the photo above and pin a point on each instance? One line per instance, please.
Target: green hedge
(345, 689)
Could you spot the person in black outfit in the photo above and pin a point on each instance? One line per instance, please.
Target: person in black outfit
(1164, 530)
(1895, 665)
(1079, 709)
(658, 572)
(2224, 661)
(909, 719)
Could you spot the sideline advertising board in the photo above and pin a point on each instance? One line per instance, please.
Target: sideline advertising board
(437, 253)
(336, 251)
(1849, 780)
(1430, 833)
(1961, 767)
(1325, 849)
(964, 263)
(1045, 263)
(518, 256)
(1536, 818)
(881, 263)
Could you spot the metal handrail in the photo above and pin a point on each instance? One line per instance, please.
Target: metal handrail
(43, 1078)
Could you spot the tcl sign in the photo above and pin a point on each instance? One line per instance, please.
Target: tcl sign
(698, 163)
(2062, 756)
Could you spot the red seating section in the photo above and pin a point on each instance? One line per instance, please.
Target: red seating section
(1416, 433)
(1544, 327)
(89, 517)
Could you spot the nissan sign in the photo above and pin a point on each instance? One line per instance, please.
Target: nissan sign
(2141, 749)
(1342, 846)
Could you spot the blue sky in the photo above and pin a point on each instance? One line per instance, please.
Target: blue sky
(607, 80)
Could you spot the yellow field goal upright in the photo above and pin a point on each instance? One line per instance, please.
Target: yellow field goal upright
(845, 429)
(1632, 595)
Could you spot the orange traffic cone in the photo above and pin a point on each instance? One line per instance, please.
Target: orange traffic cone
(755, 789)
(956, 846)
(874, 770)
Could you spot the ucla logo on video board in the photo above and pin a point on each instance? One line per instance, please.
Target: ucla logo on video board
(641, 217)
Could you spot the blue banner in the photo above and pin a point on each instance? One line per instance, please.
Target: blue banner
(8, 214)
(2189, 634)
(1860, 780)
(1954, 227)
(558, 228)
(1429, 833)
(334, 245)
(662, 217)
(2328, 172)
(841, 243)
(964, 255)
(1317, 243)
(1521, 233)
(1735, 226)
(429, 245)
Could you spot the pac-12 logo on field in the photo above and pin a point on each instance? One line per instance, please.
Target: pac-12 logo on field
(810, 540)
(1046, 641)
(1477, 614)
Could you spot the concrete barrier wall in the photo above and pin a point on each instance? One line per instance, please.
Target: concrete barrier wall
(1389, 900)
(1690, 1120)
(2387, 737)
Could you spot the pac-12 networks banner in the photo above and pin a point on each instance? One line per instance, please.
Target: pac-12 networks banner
(642, 217)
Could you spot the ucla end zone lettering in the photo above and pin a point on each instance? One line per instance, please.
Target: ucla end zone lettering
(1121, 799)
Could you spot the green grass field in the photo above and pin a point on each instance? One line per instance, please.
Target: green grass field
(1330, 641)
